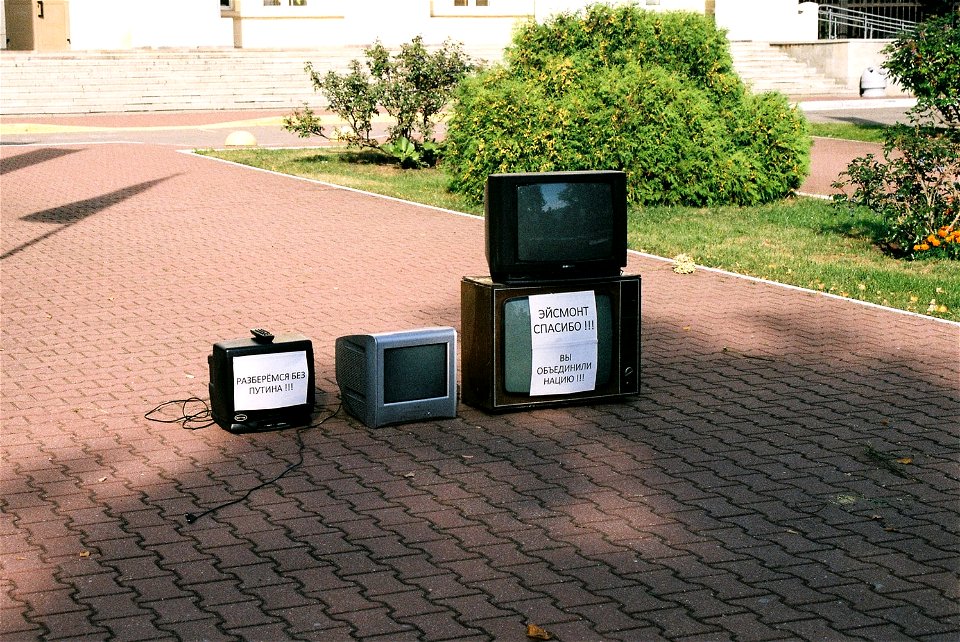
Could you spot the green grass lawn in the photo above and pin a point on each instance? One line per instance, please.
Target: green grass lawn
(805, 242)
(865, 133)
(364, 170)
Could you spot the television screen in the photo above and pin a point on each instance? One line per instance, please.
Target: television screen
(555, 226)
(394, 377)
(261, 383)
(428, 365)
(572, 220)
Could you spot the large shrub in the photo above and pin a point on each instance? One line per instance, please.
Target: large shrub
(605, 37)
(653, 94)
(915, 188)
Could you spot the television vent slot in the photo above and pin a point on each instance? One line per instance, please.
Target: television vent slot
(351, 365)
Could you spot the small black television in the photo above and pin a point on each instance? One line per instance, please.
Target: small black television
(395, 377)
(555, 226)
(263, 382)
(498, 367)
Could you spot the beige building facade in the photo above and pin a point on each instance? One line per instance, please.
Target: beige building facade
(83, 25)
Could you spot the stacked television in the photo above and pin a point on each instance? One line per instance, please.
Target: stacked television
(555, 322)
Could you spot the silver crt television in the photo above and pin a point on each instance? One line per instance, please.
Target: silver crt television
(396, 377)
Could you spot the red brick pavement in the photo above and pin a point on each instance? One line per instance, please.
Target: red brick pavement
(830, 158)
(789, 470)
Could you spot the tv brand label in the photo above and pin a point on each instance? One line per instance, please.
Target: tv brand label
(563, 332)
(276, 380)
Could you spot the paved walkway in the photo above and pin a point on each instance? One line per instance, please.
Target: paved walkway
(789, 470)
(831, 156)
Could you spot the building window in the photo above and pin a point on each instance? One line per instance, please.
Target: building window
(289, 3)
(226, 4)
(487, 8)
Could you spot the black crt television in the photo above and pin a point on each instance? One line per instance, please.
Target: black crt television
(395, 377)
(555, 226)
(497, 364)
(264, 382)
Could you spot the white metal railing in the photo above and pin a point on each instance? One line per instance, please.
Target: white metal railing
(868, 25)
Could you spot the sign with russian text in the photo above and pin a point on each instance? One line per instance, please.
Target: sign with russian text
(563, 332)
(273, 380)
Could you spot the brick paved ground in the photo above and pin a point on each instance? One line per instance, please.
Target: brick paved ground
(789, 470)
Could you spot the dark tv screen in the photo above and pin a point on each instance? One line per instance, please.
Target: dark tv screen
(569, 220)
(555, 226)
(414, 372)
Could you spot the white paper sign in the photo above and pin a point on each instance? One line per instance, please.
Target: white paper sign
(276, 380)
(563, 330)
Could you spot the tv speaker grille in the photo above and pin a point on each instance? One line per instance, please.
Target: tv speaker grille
(351, 363)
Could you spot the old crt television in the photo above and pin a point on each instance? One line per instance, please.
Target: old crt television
(395, 377)
(555, 225)
(498, 366)
(264, 382)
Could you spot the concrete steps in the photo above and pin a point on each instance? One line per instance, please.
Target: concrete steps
(765, 67)
(208, 79)
(169, 80)
(121, 81)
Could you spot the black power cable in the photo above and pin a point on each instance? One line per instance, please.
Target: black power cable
(202, 418)
(191, 517)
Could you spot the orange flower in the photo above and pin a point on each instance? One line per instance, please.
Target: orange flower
(924, 247)
(935, 242)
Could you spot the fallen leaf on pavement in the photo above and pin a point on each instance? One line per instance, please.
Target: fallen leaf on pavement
(535, 632)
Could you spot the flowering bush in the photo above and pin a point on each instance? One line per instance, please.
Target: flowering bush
(915, 190)
(946, 241)
(926, 61)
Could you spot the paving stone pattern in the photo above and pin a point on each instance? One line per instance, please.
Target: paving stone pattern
(789, 470)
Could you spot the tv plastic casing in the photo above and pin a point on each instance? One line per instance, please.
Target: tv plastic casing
(495, 342)
(396, 377)
(568, 234)
(223, 386)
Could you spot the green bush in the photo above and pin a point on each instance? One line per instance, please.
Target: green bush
(412, 86)
(915, 189)
(415, 85)
(605, 36)
(652, 94)
(927, 63)
(352, 96)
